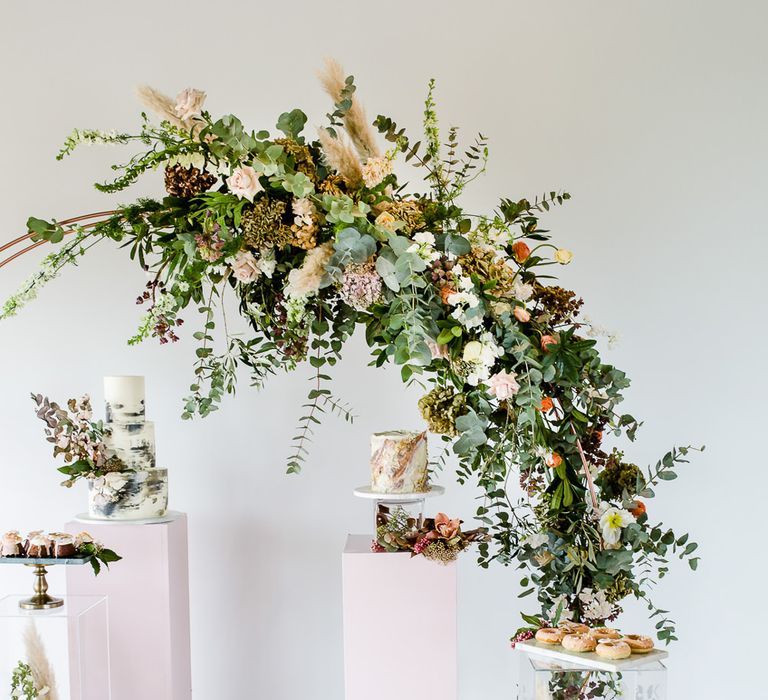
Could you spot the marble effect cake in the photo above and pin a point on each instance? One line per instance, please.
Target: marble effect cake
(399, 462)
(140, 490)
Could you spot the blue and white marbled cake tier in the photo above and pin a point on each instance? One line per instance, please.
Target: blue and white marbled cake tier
(133, 444)
(129, 495)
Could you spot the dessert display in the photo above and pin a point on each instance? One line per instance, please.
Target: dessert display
(399, 462)
(613, 649)
(54, 545)
(606, 642)
(139, 489)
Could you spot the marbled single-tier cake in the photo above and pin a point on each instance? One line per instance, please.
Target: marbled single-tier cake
(140, 490)
(399, 462)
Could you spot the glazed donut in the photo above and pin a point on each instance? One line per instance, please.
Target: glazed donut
(579, 642)
(550, 635)
(638, 643)
(573, 627)
(600, 633)
(613, 649)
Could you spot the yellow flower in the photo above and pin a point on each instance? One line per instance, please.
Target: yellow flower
(563, 256)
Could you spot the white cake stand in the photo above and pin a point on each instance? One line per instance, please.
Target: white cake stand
(415, 499)
(167, 518)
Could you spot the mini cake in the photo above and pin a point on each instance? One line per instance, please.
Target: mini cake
(63, 545)
(11, 544)
(38, 545)
(399, 462)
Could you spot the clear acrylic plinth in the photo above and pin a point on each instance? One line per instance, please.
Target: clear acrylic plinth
(76, 642)
(544, 679)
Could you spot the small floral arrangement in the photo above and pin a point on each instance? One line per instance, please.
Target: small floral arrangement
(23, 684)
(316, 234)
(78, 439)
(439, 538)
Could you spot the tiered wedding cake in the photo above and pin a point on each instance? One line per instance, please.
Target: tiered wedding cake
(139, 490)
(399, 462)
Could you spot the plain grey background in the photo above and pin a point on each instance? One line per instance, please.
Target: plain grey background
(651, 114)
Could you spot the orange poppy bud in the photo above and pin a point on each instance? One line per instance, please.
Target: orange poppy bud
(639, 509)
(553, 460)
(521, 251)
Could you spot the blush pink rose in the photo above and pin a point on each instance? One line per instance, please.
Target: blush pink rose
(244, 267)
(521, 314)
(503, 385)
(189, 103)
(244, 182)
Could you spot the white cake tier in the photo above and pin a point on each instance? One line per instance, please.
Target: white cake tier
(132, 443)
(124, 399)
(129, 495)
(399, 462)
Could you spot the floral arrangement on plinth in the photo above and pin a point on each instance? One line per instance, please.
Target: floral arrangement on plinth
(439, 539)
(315, 234)
(35, 678)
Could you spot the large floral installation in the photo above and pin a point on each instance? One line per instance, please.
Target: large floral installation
(314, 235)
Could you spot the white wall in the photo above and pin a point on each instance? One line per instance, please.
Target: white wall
(652, 114)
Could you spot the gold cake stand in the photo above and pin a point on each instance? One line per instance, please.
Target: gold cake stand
(41, 600)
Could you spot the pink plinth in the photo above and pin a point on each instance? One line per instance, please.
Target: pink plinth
(399, 625)
(148, 598)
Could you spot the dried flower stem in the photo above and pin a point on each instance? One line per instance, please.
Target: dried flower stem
(66, 222)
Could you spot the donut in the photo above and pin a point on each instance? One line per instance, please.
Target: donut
(550, 635)
(613, 649)
(573, 627)
(638, 643)
(579, 642)
(600, 633)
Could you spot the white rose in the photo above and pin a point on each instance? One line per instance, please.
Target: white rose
(244, 182)
(472, 351)
(189, 103)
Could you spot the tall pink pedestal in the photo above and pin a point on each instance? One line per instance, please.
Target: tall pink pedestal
(399, 625)
(148, 598)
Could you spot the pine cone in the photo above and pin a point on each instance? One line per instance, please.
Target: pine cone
(187, 182)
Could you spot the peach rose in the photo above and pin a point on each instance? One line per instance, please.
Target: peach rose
(245, 267)
(547, 340)
(521, 314)
(244, 182)
(386, 221)
(521, 251)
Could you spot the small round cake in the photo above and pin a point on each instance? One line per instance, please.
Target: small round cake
(63, 545)
(399, 462)
(11, 544)
(38, 545)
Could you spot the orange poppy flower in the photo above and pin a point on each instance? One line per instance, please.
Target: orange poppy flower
(547, 404)
(521, 251)
(639, 509)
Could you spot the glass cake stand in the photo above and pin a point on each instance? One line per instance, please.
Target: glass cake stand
(386, 503)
